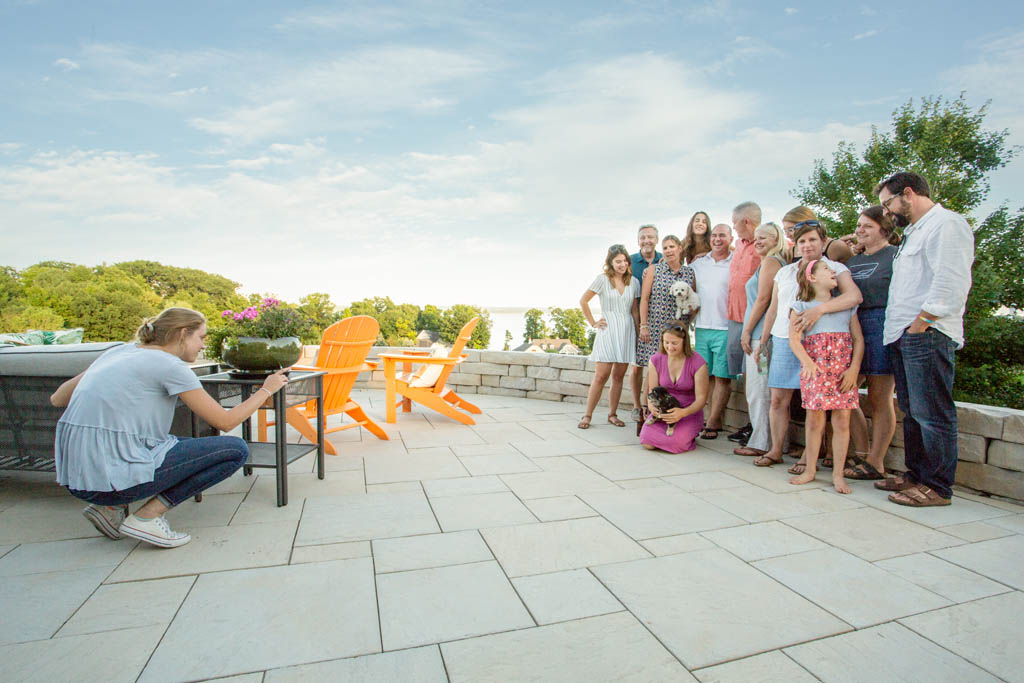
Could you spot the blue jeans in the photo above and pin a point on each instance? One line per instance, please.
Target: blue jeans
(190, 467)
(923, 366)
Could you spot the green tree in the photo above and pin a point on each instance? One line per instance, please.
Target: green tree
(947, 143)
(570, 324)
(172, 282)
(11, 288)
(508, 340)
(24, 318)
(397, 321)
(319, 308)
(429, 319)
(535, 327)
(455, 318)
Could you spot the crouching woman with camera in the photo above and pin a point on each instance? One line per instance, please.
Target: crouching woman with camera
(113, 445)
(684, 373)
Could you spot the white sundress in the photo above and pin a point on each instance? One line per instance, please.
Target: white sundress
(617, 342)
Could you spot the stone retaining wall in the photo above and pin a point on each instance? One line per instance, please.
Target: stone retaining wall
(991, 439)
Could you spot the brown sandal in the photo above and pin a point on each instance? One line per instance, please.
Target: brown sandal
(765, 461)
(919, 496)
(584, 422)
(798, 468)
(747, 451)
(894, 484)
(614, 419)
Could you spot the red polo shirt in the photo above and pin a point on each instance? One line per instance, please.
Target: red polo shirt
(744, 263)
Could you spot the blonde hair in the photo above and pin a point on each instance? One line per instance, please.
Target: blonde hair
(167, 325)
(799, 214)
(781, 247)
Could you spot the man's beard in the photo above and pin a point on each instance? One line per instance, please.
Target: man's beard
(900, 221)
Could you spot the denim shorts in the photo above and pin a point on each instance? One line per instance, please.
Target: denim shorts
(876, 355)
(784, 367)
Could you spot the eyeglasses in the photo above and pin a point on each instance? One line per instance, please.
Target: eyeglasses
(678, 328)
(887, 202)
(813, 224)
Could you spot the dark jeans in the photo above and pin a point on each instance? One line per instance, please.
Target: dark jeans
(191, 467)
(923, 365)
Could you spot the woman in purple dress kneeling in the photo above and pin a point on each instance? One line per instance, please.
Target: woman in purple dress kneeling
(682, 371)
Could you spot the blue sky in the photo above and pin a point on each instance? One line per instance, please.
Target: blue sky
(444, 152)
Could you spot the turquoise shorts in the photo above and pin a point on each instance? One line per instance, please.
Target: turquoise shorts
(713, 345)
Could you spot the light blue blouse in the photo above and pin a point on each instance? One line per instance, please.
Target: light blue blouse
(829, 322)
(115, 431)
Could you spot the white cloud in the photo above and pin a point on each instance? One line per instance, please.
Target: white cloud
(791, 11)
(9, 147)
(355, 19)
(868, 11)
(66, 64)
(867, 34)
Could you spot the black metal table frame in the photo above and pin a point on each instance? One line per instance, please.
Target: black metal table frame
(283, 452)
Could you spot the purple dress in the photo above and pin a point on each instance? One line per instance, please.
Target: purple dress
(684, 437)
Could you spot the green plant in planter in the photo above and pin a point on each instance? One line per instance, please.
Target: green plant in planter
(268, 320)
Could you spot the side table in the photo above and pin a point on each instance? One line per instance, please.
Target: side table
(230, 390)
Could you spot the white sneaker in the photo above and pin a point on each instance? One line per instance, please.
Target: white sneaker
(107, 520)
(155, 531)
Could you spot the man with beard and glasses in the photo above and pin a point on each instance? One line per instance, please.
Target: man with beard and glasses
(923, 328)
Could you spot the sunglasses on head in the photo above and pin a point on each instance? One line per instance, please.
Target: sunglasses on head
(813, 224)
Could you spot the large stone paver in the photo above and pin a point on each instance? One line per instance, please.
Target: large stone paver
(888, 652)
(985, 632)
(55, 556)
(129, 605)
(708, 607)
(49, 518)
(825, 575)
(385, 469)
(561, 596)
(446, 603)
(80, 658)
(483, 510)
(761, 541)
(998, 559)
(362, 518)
(416, 665)
(35, 605)
(255, 619)
(556, 546)
(614, 647)
(655, 512)
(948, 580)
(425, 552)
(770, 667)
(754, 504)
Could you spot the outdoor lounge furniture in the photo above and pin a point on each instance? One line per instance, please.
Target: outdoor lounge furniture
(427, 390)
(342, 355)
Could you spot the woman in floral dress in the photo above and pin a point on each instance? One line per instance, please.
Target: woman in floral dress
(657, 305)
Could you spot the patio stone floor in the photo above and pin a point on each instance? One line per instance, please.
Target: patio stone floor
(517, 549)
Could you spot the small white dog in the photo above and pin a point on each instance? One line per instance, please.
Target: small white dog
(687, 301)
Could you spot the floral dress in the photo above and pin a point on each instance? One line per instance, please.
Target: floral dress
(661, 307)
(830, 344)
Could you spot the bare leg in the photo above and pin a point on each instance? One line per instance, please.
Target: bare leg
(778, 419)
(597, 386)
(858, 429)
(840, 443)
(636, 380)
(618, 372)
(814, 429)
(720, 386)
(883, 417)
(151, 509)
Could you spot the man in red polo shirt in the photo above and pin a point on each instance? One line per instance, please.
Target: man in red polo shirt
(745, 261)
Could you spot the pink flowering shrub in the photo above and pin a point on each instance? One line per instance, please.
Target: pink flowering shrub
(268, 319)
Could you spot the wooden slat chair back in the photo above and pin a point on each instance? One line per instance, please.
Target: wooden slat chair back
(437, 396)
(342, 354)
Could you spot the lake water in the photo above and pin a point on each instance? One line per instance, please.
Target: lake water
(510, 319)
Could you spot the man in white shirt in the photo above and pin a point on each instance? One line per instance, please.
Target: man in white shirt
(923, 328)
(712, 324)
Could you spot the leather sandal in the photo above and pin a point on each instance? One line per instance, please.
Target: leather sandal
(584, 422)
(747, 451)
(919, 496)
(894, 484)
(614, 419)
(765, 461)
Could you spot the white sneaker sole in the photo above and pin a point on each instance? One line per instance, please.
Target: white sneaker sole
(154, 540)
(101, 523)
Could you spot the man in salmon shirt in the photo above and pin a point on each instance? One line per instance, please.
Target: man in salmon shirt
(745, 262)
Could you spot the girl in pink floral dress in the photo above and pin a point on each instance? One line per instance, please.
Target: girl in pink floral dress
(830, 353)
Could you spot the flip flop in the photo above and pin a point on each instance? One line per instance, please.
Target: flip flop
(744, 450)
(584, 422)
(708, 434)
(863, 470)
(798, 468)
(614, 419)
(765, 461)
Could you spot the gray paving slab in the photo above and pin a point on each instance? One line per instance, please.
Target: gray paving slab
(985, 632)
(559, 507)
(135, 604)
(645, 483)
(944, 578)
(484, 510)
(824, 577)
(556, 546)
(498, 463)
(211, 549)
(655, 512)
(1014, 523)
(761, 541)
(361, 518)
(425, 552)
(330, 551)
(307, 485)
(47, 518)
(36, 605)
(998, 559)
(774, 479)
(704, 481)
(472, 450)
(732, 610)
(673, 545)
(754, 504)
(550, 484)
(872, 534)
(464, 486)
(416, 665)
(770, 667)
(319, 611)
(80, 658)
(447, 603)
(4, 549)
(214, 510)
(236, 483)
(960, 512)
(546, 448)
(632, 464)
(410, 467)
(975, 531)
(888, 652)
(613, 647)
(563, 596)
(55, 556)
(504, 432)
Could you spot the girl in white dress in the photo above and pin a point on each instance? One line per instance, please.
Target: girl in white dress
(615, 343)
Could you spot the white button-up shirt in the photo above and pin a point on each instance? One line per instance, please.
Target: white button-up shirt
(713, 288)
(931, 272)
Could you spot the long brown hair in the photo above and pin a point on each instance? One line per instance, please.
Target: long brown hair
(692, 243)
(168, 325)
(806, 292)
(677, 328)
(798, 214)
(877, 214)
(614, 251)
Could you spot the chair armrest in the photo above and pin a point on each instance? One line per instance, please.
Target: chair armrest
(413, 359)
(337, 371)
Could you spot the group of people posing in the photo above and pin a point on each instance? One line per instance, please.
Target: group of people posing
(792, 309)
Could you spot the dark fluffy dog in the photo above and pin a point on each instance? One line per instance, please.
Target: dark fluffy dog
(663, 402)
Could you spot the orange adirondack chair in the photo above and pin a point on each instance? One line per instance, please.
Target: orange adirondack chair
(342, 355)
(435, 396)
